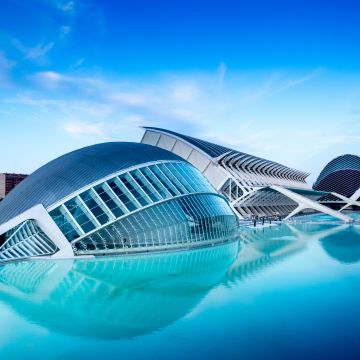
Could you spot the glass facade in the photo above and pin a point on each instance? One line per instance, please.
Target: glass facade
(89, 219)
(192, 220)
(112, 197)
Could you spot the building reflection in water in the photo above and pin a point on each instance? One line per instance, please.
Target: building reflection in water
(340, 242)
(112, 298)
(260, 248)
(344, 249)
(126, 297)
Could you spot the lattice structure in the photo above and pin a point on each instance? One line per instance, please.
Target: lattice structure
(25, 241)
(341, 176)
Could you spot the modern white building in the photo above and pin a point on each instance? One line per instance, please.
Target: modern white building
(254, 186)
(112, 198)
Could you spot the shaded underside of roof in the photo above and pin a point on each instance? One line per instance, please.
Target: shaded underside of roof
(303, 192)
(306, 192)
(75, 170)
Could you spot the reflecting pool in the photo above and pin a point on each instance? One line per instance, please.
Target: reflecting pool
(289, 291)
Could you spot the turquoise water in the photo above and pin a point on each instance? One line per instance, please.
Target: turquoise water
(326, 218)
(281, 292)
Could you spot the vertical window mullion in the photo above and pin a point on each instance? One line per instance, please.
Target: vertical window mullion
(88, 212)
(115, 198)
(127, 193)
(173, 178)
(102, 204)
(136, 189)
(164, 181)
(139, 188)
(78, 227)
(146, 185)
(109, 199)
(169, 181)
(181, 176)
(156, 183)
(77, 211)
(149, 184)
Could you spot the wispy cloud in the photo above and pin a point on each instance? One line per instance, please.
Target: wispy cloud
(48, 79)
(39, 51)
(66, 6)
(36, 53)
(234, 111)
(79, 129)
(276, 83)
(56, 80)
(77, 63)
(290, 83)
(64, 31)
(6, 66)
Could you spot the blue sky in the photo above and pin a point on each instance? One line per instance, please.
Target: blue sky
(278, 79)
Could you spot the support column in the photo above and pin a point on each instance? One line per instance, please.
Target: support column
(310, 204)
(295, 211)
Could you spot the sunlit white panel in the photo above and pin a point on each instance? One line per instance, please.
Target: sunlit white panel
(215, 175)
(199, 160)
(150, 138)
(182, 149)
(166, 142)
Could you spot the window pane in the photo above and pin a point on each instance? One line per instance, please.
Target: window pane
(79, 215)
(142, 182)
(95, 209)
(154, 181)
(131, 186)
(65, 224)
(173, 179)
(165, 181)
(109, 202)
(125, 199)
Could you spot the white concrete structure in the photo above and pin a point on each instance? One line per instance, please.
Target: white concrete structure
(254, 186)
(350, 201)
(112, 198)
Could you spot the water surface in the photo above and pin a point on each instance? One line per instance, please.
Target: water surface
(281, 292)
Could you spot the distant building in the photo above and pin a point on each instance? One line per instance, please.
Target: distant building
(8, 182)
(341, 179)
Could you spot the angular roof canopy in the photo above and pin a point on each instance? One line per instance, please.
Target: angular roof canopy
(218, 151)
(213, 150)
(73, 171)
